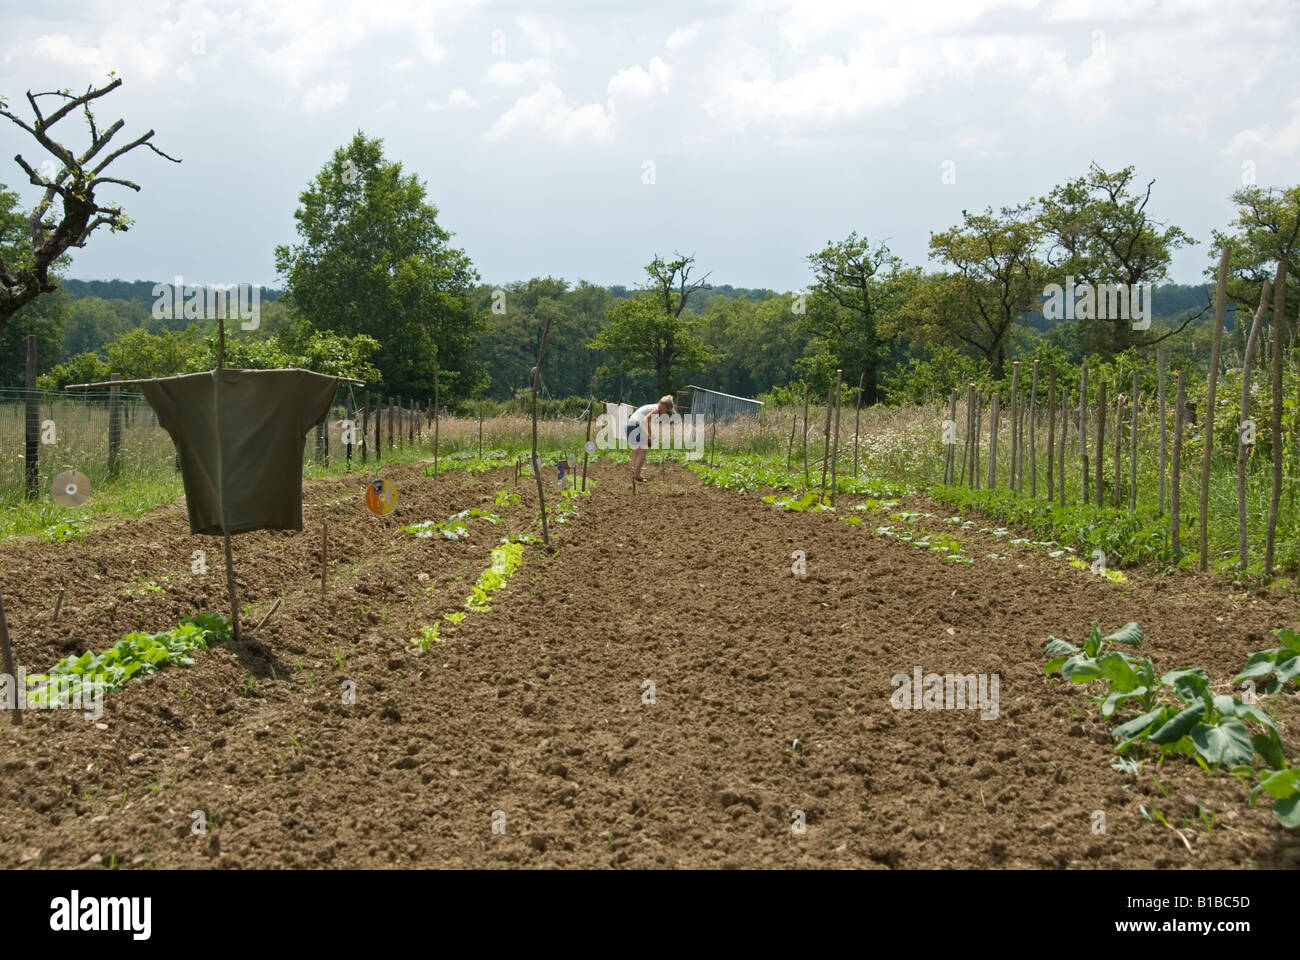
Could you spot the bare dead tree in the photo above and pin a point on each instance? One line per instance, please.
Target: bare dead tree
(72, 180)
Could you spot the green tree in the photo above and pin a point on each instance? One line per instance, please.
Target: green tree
(650, 330)
(372, 259)
(1265, 229)
(855, 288)
(995, 283)
(1098, 230)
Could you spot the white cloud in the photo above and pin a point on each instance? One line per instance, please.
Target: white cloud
(641, 84)
(548, 113)
(504, 73)
(1267, 140)
(325, 97)
(542, 38)
(680, 37)
(457, 99)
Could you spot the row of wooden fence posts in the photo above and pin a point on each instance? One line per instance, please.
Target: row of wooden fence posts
(1093, 478)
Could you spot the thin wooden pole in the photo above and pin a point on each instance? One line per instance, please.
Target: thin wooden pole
(1083, 428)
(379, 428)
(114, 428)
(585, 452)
(352, 418)
(1051, 428)
(1275, 420)
(324, 557)
(1175, 479)
(976, 465)
(826, 444)
(32, 447)
(58, 605)
(536, 461)
(857, 423)
(994, 412)
(1033, 440)
(274, 607)
(1133, 449)
(1243, 450)
(1060, 450)
(437, 414)
(1101, 442)
(1220, 302)
(807, 482)
(365, 426)
(835, 444)
(1021, 419)
(20, 695)
(1015, 438)
(789, 447)
(1118, 492)
(950, 449)
(966, 433)
(1162, 360)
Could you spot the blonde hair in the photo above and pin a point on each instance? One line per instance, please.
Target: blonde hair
(667, 401)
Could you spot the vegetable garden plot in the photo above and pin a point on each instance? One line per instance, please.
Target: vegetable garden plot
(662, 691)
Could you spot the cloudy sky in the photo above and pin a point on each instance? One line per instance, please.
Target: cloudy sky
(765, 129)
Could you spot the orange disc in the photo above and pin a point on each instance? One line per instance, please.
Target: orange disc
(381, 497)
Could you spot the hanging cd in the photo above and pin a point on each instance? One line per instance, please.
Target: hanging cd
(573, 463)
(70, 489)
(381, 497)
(591, 446)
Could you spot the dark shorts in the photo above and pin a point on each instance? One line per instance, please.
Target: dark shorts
(636, 436)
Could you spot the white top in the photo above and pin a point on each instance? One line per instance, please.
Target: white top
(640, 413)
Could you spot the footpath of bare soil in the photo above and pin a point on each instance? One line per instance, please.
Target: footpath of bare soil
(661, 691)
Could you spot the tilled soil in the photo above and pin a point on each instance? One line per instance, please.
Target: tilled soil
(662, 691)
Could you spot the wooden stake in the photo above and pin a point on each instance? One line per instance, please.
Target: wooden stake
(58, 605)
(114, 428)
(1051, 428)
(1060, 449)
(32, 446)
(6, 651)
(437, 415)
(585, 452)
(857, 423)
(536, 462)
(979, 428)
(994, 412)
(789, 448)
(274, 607)
(1118, 492)
(1161, 362)
(1133, 449)
(1242, 447)
(835, 444)
(324, 557)
(1101, 442)
(1175, 480)
(365, 426)
(826, 444)
(1015, 424)
(806, 481)
(1275, 420)
(950, 451)
(1083, 427)
(1220, 302)
(1033, 443)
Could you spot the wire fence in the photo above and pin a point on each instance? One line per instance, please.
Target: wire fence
(723, 406)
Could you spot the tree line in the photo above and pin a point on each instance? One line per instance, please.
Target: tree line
(374, 286)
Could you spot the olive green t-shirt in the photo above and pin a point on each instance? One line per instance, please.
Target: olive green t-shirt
(240, 435)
